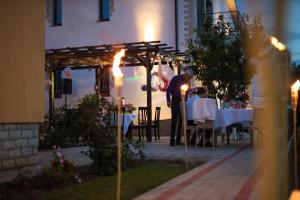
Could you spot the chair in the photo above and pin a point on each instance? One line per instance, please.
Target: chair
(257, 124)
(155, 124)
(192, 128)
(142, 122)
(207, 125)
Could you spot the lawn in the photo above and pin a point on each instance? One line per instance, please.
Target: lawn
(135, 181)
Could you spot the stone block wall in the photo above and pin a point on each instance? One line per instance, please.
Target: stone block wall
(18, 145)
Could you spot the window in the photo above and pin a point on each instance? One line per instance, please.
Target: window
(57, 12)
(201, 11)
(102, 78)
(104, 10)
(58, 90)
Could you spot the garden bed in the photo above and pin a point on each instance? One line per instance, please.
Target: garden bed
(141, 177)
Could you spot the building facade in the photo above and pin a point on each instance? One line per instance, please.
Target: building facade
(71, 23)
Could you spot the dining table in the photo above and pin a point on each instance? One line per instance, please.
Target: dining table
(206, 109)
(128, 119)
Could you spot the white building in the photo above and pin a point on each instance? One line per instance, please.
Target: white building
(71, 23)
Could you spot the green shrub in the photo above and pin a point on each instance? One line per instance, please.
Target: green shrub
(101, 136)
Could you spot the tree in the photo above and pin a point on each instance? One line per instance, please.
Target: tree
(221, 54)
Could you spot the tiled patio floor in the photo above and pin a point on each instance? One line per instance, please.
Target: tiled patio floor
(229, 173)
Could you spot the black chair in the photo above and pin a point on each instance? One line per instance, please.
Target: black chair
(155, 124)
(142, 122)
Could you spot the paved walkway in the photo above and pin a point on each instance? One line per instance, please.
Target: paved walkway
(229, 173)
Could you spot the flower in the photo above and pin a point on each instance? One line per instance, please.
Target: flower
(58, 154)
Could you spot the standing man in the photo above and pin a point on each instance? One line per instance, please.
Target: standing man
(174, 103)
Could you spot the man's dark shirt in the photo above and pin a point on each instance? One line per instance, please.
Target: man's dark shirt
(174, 87)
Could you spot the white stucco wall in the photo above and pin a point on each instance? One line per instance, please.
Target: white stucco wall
(129, 22)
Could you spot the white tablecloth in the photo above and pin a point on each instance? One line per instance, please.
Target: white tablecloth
(128, 118)
(226, 117)
(203, 109)
(206, 109)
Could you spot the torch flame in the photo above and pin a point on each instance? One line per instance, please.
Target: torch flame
(278, 45)
(296, 86)
(294, 92)
(184, 88)
(295, 195)
(117, 59)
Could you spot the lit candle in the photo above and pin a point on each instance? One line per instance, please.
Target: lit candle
(118, 80)
(183, 90)
(294, 92)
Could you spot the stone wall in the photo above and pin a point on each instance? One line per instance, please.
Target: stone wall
(18, 145)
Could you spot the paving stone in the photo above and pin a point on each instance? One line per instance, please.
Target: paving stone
(27, 133)
(14, 134)
(22, 126)
(34, 142)
(15, 153)
(9, 144)
(3, 154)
(27, 151)
(35, 133)
(21, 162)
(8, 164)
(33, 126)
(21, 143)
(9, 126)
(3, 135)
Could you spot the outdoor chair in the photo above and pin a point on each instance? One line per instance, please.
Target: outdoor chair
(192, 129)
(256, 126)
(155, 124)
(207, 125)
(142, 122)
(229, 132)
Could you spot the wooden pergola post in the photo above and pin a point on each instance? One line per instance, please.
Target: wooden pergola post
(50, 92)
(149, 102)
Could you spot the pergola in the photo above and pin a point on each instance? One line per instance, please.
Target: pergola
(101, 56)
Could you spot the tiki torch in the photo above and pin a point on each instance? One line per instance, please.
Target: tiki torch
(118, 82)
(294, 93)
(183, 90)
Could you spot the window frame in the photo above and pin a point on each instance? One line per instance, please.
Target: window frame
(57, 12)
(101, 17)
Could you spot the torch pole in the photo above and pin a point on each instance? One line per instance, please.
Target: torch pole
(294, 93)
(118, 80)
(183, 117)
(119, 138)
(295, 144)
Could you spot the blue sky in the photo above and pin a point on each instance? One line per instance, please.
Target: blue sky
(292, 20)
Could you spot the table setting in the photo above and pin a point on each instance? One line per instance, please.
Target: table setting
(127, 115)
(206, 109)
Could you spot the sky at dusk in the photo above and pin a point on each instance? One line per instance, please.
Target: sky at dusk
(292, 19)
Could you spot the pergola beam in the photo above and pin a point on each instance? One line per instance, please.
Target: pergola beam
(87, 57)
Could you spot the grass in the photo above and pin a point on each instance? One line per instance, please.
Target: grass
(134, 182)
